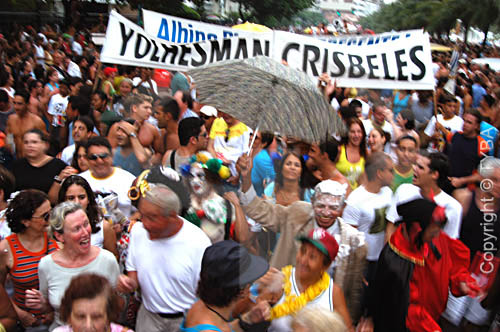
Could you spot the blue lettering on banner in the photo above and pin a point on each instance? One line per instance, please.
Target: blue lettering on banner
(366, 40)
(175, 32)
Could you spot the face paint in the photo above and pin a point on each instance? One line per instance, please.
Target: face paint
(197, 181)
(327, 208)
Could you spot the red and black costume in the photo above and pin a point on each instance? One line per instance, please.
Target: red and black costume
(413, 277)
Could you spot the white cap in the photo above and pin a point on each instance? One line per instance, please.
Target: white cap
(209, 110)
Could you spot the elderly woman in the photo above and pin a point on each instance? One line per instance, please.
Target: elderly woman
(77, 189)
(308, 285)
(227, 270)
(90, 304)
(70, 225)
(27, 216)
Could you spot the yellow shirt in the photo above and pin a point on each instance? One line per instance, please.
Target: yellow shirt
(351, 171)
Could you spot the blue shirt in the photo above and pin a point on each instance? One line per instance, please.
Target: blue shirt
(129, 163)
(477, 94)
(263, 169)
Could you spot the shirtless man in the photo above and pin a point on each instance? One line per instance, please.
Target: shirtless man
(167, 114)
(22, 121)
(322, 158)
(140, 109)
(36, 91)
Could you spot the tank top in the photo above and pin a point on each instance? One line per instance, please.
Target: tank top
(51, 88)
(475, 226)
(200, 328)
(128, 163)
(351, 171)
(323, 300)
(24, 272)
(400, 104)
(97, 239)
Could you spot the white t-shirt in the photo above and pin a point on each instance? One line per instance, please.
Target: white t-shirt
(408, 192)
(67, 154)
(365, 210)
(168, 269)
(137, 80)
(77, 48)
(57, 108)
(39, 53)
(74, 70)
(54, 279)
(118, 182)
(454, 124)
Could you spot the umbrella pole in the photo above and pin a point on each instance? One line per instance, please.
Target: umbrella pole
(253, 140)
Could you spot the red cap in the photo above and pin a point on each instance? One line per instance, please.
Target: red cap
(322, 240)
(108, 70)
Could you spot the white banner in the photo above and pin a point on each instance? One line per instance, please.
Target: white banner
(181, 30)
(128, 44)
(400, 60)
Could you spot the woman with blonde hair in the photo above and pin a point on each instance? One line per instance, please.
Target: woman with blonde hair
(318, 320)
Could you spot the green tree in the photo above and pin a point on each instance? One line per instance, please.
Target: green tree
(170, 7)
(272, 12)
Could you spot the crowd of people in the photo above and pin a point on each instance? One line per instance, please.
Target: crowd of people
(125, 206)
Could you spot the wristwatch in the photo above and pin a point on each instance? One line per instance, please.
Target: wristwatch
(134, 135)
(57, 179)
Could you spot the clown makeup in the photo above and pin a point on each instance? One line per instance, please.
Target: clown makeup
(327, 208)
(197, 181)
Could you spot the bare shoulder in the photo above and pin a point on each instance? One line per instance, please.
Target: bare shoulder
(463, 196)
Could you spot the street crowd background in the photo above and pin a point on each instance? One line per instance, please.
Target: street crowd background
(128, 204)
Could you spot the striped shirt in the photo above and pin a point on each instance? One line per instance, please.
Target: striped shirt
(24, 270)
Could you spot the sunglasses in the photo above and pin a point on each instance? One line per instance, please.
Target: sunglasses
(204, 117)
(95, 156)
(44, 216)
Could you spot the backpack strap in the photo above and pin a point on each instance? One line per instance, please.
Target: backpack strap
(229, 215)
(172, 159)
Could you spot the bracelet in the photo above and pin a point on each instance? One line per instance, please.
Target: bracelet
(242, 324)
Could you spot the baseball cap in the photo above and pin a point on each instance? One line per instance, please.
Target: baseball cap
(230, 264)
(108, 70)
(209, 110)
(322, 240)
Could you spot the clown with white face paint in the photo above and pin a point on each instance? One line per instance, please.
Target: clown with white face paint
(213, 213)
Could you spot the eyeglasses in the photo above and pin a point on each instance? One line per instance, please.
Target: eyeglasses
(44, 216)
(95, 156)
(204, 117)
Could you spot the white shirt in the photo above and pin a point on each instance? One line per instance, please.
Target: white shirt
(67, 154)
(39, 53)
(137, 80)
(408, 192)
(364, 210)
(57, 108)
(454, 124)
(77, 48)
(118, 182)
(74, 70)
(168, 269)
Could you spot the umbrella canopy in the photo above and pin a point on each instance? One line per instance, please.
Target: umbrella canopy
(252, 27)
(440, 48)
(264, 93)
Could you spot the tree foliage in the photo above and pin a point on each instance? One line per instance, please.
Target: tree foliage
(271, 12)
(436, 16)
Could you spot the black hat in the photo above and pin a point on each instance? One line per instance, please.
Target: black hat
(421, 211)
(230, 264)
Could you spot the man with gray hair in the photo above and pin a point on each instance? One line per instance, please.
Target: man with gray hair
(480, 232)
(164, 259)
(299, 218)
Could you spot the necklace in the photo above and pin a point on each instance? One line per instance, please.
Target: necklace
(293, 303)
(214, 311)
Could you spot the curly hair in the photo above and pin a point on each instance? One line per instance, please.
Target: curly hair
(90, 286)
(22, 207)
(93, 212)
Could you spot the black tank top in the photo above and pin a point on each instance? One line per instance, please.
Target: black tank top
(479, 228)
